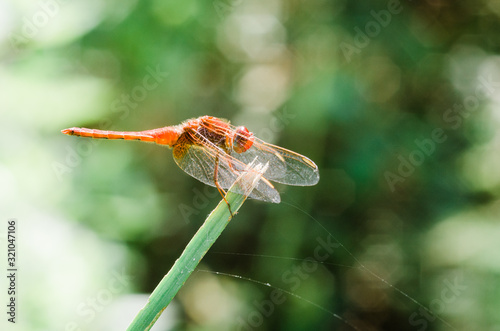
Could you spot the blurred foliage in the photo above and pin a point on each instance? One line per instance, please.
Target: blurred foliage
(395, 101)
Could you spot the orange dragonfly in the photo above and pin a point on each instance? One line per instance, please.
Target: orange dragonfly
(217, 153)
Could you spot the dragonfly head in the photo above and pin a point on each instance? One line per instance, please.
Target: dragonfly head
(243, 140)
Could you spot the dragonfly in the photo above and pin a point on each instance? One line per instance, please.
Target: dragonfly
(216, 153)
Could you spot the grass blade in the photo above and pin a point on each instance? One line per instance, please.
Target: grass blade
(195, 250)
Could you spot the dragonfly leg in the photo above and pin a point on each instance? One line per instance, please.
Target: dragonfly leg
(221, 190)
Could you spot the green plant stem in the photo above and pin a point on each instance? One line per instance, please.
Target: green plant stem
(190, 257)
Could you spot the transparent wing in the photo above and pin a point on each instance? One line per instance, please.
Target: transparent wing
(285, 166)
(203, 159)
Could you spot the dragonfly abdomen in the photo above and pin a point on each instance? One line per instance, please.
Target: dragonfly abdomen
(105, 134)
(163, 136)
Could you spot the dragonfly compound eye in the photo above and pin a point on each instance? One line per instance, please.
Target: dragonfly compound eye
(243, 140)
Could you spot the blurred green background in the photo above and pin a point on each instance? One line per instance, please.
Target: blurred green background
(397, 103)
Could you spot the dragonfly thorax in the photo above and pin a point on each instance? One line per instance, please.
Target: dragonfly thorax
(216, 137)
